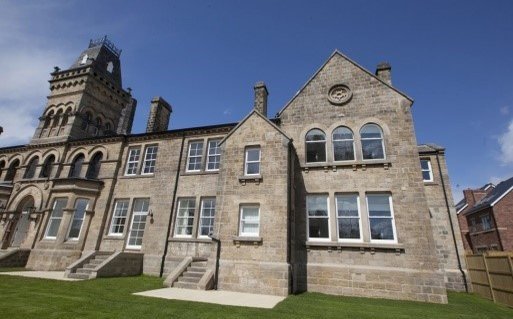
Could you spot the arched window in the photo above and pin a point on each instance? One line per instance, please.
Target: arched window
(94, 166)
(65, 117)
(31, 168)
(343, 144)
(315, 146)
(2, 166)
(46, 170)
(56, 119)
(98, 126)
(110, 67)
(11, 171)
(108, 127)
(372, 142)
(76, 166)
(86, 119)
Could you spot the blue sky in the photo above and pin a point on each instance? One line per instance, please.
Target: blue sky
(455, 58)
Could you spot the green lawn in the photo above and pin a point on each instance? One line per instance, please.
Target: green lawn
(112, 298)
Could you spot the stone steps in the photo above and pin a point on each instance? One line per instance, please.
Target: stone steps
(78, 276)
(85, 271)
(190, 278)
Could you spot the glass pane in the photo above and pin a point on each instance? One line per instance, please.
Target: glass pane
(58, 207)
(381, 228)
(316, 152)
(250, 213)
(315, 135)
(424, 164)
(347, 206)
(250, 228)
(317, 205)
(342, 133)
(343, 151)
(379, 205)
(318, 228)
(53, 227)
(349, 228)
(252, 168)
(253, 154)
(426, 176)
(370, 131)
(372, 149)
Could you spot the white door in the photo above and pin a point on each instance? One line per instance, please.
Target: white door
(136, 233)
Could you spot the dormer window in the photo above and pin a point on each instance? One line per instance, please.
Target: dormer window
(84, 59)
(110, 67)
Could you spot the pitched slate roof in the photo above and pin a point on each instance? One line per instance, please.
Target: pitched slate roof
(429, 147)
(501, 190)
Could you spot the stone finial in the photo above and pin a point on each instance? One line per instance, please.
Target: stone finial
(160, 112)
(384, 72)
(261, 94)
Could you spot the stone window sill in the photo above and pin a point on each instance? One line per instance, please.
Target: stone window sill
(430, 183)
(354, 165)
(137, 176)
(238, 240)
(482, 232)
(257, 179)
(363, 246)
(111, 237)
(199, 173)
(190, 240)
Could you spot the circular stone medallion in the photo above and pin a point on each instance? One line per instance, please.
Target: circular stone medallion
(339, 94)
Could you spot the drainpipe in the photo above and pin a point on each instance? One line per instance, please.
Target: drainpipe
(450, 222)
(172, 208)
(218, 254)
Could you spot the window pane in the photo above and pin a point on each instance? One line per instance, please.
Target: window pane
(315, 135)
(56, 217)
(250, 221)
(347, 206)
(370, 131)
(349, 228)
(133, 161)
(214, 155)
(317, 205)
(78, 218)
(424, 164)
(150, 159)
(342, 133)
(207, 216)
(253, 154)
(381, 228)
(343, 151)
(318, 227)
(426, 175)
(195, 156)
(315, 152)
(119, 217)
(185, 217)
(253, 168)
(379, 205)
(372, 149)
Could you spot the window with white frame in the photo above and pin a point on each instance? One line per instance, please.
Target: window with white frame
(195, 156)
(55, 218)
(318, 217)
(150, 158)
(348, 217)
(381, 217)
(213, 155)
(117, 225)
(249, 220)
(132, 163)
(81, 205)
(427, 173)
(208, 213)
(343, 144)
(315, 144)
(372, 142)
(185, 217)
(139, 214)
(252, 161)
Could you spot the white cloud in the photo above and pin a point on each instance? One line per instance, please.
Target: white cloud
(506, 145)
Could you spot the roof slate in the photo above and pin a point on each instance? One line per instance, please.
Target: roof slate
(501, 189)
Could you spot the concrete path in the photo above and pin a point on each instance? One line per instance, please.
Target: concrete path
(55, 275)
(219, 297)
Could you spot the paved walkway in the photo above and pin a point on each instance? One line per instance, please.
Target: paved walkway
(219, 297)
(55, 275)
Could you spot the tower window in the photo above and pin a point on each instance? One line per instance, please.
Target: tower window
(110, 67)
(84, 59)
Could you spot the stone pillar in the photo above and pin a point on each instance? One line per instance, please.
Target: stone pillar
(160, 112)
(261, 94)
(384, 72)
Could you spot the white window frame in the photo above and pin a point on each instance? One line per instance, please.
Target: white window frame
(242, 220)
(200, 156)
(134, 214)
(351, 217)
(382, 138)
(136, 162)
(216, 156)
(202, 217)
(246, 161)
(325, 141)
(327, 217)
(188, 217)
(152, 162)
(392, 217)
(68, 237)
(51, 218)
(429, 169)
(116, 216)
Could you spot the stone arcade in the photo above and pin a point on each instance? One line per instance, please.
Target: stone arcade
(331, 195)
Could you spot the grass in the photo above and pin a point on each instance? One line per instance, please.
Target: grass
(112, 298)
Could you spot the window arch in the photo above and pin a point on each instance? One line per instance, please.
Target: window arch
(315, 146)
(343, 144)
(11, 171)
(76, 166)
(372, 142)
(56, 119)
(31, 168)
(46, 170)
(94, 166)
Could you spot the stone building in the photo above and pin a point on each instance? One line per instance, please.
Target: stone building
(331, 195)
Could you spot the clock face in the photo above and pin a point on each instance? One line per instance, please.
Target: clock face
(339, 94)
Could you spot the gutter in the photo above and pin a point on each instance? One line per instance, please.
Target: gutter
(450, 222)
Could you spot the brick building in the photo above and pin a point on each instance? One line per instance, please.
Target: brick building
(485, 217)
(331, 195)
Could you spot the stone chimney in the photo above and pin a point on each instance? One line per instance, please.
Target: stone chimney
(384, 72)
(127, 118)
(160, 112)
(261, 94)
